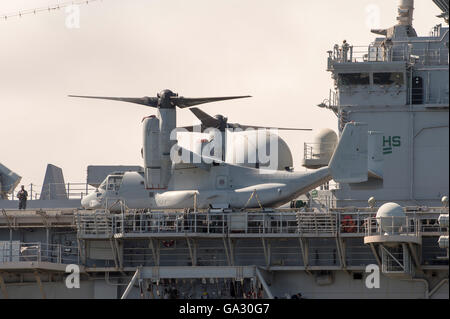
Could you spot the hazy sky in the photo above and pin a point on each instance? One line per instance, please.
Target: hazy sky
(274, 50)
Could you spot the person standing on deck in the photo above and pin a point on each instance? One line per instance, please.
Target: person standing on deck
(345, 48)
(22, 195)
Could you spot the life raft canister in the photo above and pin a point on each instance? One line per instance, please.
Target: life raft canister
(348, 224)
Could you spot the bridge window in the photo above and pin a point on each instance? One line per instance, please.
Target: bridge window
(354, 79)
(388, 78)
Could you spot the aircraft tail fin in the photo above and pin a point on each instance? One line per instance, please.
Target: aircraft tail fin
(349, 163)
(358, 155)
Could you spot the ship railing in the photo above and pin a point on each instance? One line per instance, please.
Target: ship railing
(55, 191)
(100, 222)
(282, 222)
(392, 225)
(287, 221)
(377, 53)
(213, 223)
(352, 222)
(431, 226)
(15, 251)
(317, 223)
(230, 223)
(317, 150)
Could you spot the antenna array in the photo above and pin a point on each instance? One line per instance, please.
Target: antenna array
(48, 8)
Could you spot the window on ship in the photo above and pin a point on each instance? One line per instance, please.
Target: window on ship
(354, 79)
(388, 78)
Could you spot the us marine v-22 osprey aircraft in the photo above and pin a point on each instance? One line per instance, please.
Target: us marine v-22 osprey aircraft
(173, 180)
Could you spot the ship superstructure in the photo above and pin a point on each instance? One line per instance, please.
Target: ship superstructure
(399, 86)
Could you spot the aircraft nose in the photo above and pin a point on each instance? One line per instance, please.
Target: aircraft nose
(85, 201)
(90, 201)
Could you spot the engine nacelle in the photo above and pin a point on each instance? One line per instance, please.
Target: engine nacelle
(151, 152)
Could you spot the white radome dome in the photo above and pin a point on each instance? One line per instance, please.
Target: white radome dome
(326, 135)
(326, 141)
(246, 146)
(324, 144)
(242, 147)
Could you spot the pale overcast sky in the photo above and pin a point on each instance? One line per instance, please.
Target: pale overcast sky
(274, 50)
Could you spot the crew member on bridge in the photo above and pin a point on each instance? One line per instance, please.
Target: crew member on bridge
(337, 52)
(345, 48)
(22, 195)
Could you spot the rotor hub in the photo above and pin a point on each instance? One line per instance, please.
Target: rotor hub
(222, 121)
(164, 99)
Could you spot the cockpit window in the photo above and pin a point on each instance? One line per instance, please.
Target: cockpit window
(114, 182)
(354, 79)
(103, 185)
(388, 78)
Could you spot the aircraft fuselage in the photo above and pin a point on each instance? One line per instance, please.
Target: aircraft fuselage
(222, 185)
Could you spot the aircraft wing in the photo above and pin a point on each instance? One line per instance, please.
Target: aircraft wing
(244, 127)
(206, 119)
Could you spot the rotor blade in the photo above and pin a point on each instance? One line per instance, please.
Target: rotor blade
(183, 102)
(244, 127)
(206, 119)
(147, 101)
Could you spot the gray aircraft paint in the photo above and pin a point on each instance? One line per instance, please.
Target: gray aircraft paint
(223, 184)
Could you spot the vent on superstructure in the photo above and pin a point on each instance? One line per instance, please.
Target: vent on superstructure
(357, 276)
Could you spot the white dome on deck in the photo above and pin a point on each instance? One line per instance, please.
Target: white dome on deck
(391, 217)
(318, 153)
(248, 148)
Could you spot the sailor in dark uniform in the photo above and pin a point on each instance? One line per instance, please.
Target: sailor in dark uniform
(22, 195)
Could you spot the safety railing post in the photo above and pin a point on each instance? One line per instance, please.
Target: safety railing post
(123, 223)
(281, 223)
(357, 223)
(246, 222)
(416, 226)
(159, 222)
(223, 223)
